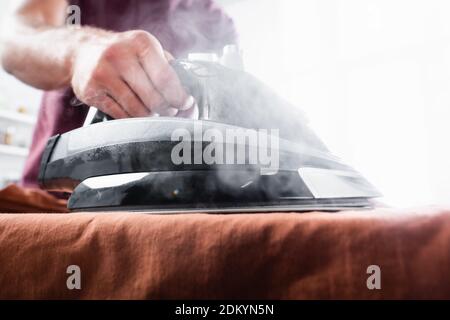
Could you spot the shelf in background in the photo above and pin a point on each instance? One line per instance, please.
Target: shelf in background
(17, 117)
(13, 151)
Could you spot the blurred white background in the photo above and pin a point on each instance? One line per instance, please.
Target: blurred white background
(18, 108)
(372, 75)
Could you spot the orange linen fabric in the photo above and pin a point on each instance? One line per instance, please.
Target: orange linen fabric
(15, 199)
(208, 256)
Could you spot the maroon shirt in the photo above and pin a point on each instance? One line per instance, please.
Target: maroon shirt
(182, 26)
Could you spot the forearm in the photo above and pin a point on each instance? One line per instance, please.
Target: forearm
(43, 56)
(124, 74)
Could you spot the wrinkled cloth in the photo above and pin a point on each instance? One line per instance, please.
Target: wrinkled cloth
(236, 256)
(15, 199)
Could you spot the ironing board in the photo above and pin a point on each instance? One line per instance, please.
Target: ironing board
(311, 255)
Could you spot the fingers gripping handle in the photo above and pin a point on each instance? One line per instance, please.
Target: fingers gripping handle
(193, 86)
(189, 81)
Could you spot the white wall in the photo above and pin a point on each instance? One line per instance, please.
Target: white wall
(372, 75)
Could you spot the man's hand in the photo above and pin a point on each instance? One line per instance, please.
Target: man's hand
(123, 74)
(128, 75)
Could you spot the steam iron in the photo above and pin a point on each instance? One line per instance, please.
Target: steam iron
(161, 164)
